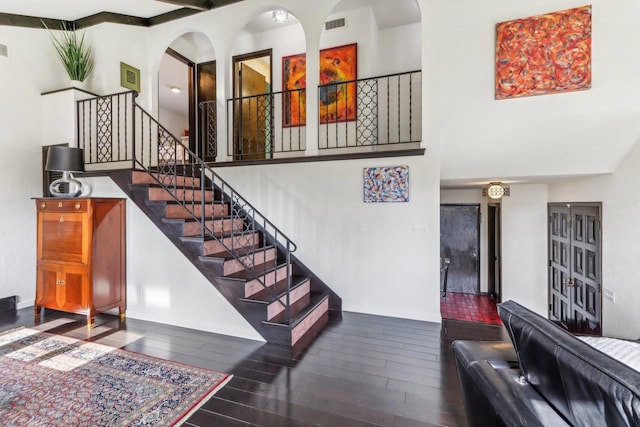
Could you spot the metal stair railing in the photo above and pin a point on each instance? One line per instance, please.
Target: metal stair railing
(115, 128)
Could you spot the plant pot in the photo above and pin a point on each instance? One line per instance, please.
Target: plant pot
(77, 84)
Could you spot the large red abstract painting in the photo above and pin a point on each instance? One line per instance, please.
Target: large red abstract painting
(544, 54)
(337, 101)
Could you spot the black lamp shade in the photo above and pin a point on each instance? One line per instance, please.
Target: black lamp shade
(63, 159)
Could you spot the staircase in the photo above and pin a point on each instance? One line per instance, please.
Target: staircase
(244, 256)
(281, 298)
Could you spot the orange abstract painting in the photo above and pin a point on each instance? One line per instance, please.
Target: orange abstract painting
(337, 100)
(294, 80)
(544, 54)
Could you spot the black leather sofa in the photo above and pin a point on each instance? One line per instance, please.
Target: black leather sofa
(544, 377)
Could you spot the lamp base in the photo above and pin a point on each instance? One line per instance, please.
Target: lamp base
(74, 186)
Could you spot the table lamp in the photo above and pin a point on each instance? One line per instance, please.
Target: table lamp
(65, 160)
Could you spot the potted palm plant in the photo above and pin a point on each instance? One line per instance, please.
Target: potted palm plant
(74, 52)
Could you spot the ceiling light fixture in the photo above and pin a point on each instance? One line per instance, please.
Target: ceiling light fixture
(495, 190)
(175, 89)
(280, 16)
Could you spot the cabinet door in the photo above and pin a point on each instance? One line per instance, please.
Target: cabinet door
(73, 291)
(63, 237)
(63, 288)
(46, 288)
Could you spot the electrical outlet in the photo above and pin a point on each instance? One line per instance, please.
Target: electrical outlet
(609, 294)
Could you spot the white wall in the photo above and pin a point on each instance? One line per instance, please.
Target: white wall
(393, 60)
(30, 69)
(473, 197)
(524, 247)
(559, 134)
(618, 193)
(369, 253)
(173, 122)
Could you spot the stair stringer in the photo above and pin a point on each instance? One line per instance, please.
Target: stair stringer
(192, 250)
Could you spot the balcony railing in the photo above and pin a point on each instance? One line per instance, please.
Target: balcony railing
(261, 126)
(372, 112)
(365, 114)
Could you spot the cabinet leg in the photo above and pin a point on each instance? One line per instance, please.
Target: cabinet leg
(121, 312)
(91, 322)
(36, 312)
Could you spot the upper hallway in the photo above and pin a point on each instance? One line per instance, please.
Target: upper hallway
(472, 136)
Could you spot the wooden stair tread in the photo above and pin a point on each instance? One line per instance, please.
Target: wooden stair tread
(219, 236)
(226, 256)
(185, 220)
(244, 276)
(267, 297)
(316, 300)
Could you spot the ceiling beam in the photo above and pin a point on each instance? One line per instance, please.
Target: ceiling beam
(191, 4)
(32, 21)
(114, 18)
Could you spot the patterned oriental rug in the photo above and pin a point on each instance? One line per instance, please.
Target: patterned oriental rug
(53, 380)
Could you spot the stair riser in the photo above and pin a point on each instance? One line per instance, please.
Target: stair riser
(158, 194)
(299, 295)
(233, 266)
(254, 286)
(218, 226)
(145, 178)
(320, 313)
(239, 242)
(179, 211)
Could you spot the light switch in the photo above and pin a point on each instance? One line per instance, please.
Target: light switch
(609, 294)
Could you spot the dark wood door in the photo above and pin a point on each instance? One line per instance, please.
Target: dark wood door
(575, 299)
(253, 118)
(460, 242)
(207, 115)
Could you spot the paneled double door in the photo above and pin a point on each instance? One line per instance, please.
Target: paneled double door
(575, 264)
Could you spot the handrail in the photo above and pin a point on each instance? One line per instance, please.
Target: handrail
(384, 76)
(221, 213)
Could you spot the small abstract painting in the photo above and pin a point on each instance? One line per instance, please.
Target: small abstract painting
(386, 184)
(337, 100)
(544, 54)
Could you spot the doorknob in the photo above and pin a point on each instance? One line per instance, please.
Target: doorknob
(569, 282)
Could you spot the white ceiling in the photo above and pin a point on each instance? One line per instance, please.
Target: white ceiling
(71, 10)
(388, 13)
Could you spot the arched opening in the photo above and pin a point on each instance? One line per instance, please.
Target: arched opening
(187, 93)
(261, 105)
(374, 101)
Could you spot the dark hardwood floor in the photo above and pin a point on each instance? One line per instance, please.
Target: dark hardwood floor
(363, 370)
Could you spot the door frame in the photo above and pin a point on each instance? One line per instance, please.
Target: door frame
(235, 62)
(494, 235)
(569, 205)
(201, 133)
(193, 129)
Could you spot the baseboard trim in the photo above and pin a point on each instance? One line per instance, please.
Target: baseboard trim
(8, 304)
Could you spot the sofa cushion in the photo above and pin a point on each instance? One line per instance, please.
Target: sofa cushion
(491, 390)
(585, 386)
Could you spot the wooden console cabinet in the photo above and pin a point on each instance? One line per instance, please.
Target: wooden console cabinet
(81, 256)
